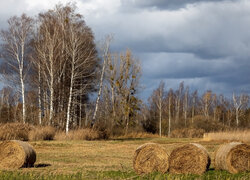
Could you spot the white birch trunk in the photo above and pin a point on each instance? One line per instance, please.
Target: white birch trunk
(105, 57)
(70, 96)
(51, 99)
(39, 95)
(169, 116)
(23, 98)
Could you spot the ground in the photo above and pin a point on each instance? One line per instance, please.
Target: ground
(104, 160)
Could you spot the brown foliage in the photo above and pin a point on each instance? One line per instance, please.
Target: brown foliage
(82, 134)
(135, 135)
(208, 124)
(187, 133)
(15, 131)
(42, 133)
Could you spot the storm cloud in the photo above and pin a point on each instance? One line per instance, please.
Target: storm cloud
(205, 43)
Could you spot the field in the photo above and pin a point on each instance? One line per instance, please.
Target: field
(104, 160)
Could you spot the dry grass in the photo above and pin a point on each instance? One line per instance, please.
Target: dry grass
(42, 133)
(187, 133)
(68, 157)
(81, 134)
(136, 135)
(242, 136)
(15, 131)
(71, 157)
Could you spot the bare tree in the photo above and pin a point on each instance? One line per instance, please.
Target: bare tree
(178, 100)
(105, 49)
(81, 54)
(157, 98)
(47, 48)
(206, 103)
(170, 99)
(15, 52)
(185, 104)
(194, 101)
(239, 102)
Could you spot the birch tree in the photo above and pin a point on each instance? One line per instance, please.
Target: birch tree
(239, 102)
(170, 99)
(157, 98)
(185, 105)
(82, 57)
(105, 49)
(47, 48)
(15, 49)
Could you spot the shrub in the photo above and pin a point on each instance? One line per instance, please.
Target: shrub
(82, 134)
(136, 135)
(42, 133)
(208, 124)
(187, 133)
(15, 131)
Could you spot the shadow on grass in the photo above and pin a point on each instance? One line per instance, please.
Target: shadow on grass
(41, 165)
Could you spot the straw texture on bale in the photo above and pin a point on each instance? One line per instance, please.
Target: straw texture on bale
(150, 157)
(189, 159)
(16, 154)
(233, 157)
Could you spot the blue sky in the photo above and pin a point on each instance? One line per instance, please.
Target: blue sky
(205, 43)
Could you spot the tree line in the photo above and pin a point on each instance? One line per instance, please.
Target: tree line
(181, 108)
(51, 67)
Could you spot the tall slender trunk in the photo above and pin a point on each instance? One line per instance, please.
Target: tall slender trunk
(237, 116)
(86, 115)
(51, 100)
(160, 119)
(169, 116)
(22, 79)
(23, 97)
(39, 95)
(113, 101)
(70, 98)
(100, 87)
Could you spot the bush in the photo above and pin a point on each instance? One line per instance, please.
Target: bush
(187, 133)
(83, 134)
(208, 124)
(15, 131)
(137, 135)
(42, 133)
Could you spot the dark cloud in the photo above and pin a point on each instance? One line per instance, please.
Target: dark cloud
(162, 4)
(205, 43)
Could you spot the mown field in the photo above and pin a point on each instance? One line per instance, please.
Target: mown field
(104, 160)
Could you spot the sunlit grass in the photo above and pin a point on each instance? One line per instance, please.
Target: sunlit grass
(104, 160)
(242, 136)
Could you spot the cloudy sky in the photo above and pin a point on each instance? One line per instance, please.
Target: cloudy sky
(205, 43)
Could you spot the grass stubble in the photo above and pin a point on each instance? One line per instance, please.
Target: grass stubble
(111, 159)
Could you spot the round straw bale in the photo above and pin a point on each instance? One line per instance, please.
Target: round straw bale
(150, 157)
(233, 157)
(16, 154)
(189, 159)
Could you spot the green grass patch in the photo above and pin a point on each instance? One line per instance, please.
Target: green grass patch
(210, 175)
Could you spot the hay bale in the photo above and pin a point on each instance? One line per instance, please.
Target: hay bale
(16, 154)
(150, 157)
(189, 159)
(233, 157)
